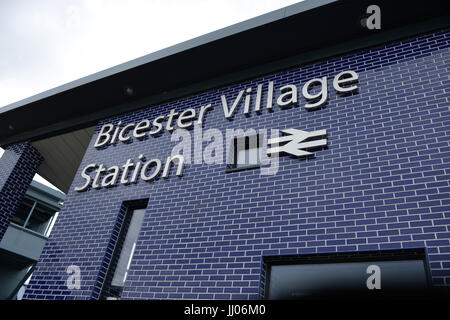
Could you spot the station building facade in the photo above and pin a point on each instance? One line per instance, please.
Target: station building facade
(273, 186)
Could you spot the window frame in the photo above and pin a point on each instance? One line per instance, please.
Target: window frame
(234, 166)
(122, 226)
(37, 202)
(134, 214)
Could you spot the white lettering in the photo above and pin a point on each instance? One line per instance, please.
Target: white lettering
(229, 113)
(288, 96)
(155, 173)
(203, 111)
(157, 123)
(322, 95)
(86, 177)
(345, 77)
(122, 138)
(141, 127)
(103, 134)
(177, 158)
(110, 179)
(187, 114)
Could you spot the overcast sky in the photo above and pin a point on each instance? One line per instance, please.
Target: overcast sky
(46, 43)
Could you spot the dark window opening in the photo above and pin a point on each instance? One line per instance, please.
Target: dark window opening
(124, 248)
(34, 215)
(245, 153)
(355, 275)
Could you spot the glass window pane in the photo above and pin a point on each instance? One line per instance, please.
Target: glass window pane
(253, 155)
(40, 218)
(22, 212)
(241, 157)
(128, 247)
(309, 280)
(247, 151)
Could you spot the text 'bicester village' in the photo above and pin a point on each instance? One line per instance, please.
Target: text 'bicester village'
(344, 82)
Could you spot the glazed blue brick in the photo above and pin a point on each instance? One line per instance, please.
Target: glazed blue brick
(18, 165)
(381, 184)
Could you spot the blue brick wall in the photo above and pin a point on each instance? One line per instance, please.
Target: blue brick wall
(382, 183)
(18, 165)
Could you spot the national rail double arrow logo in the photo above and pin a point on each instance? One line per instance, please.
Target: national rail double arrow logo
(296, 142)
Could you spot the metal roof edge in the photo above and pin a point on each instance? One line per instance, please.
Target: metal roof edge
(47, 191)
(36, 122)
